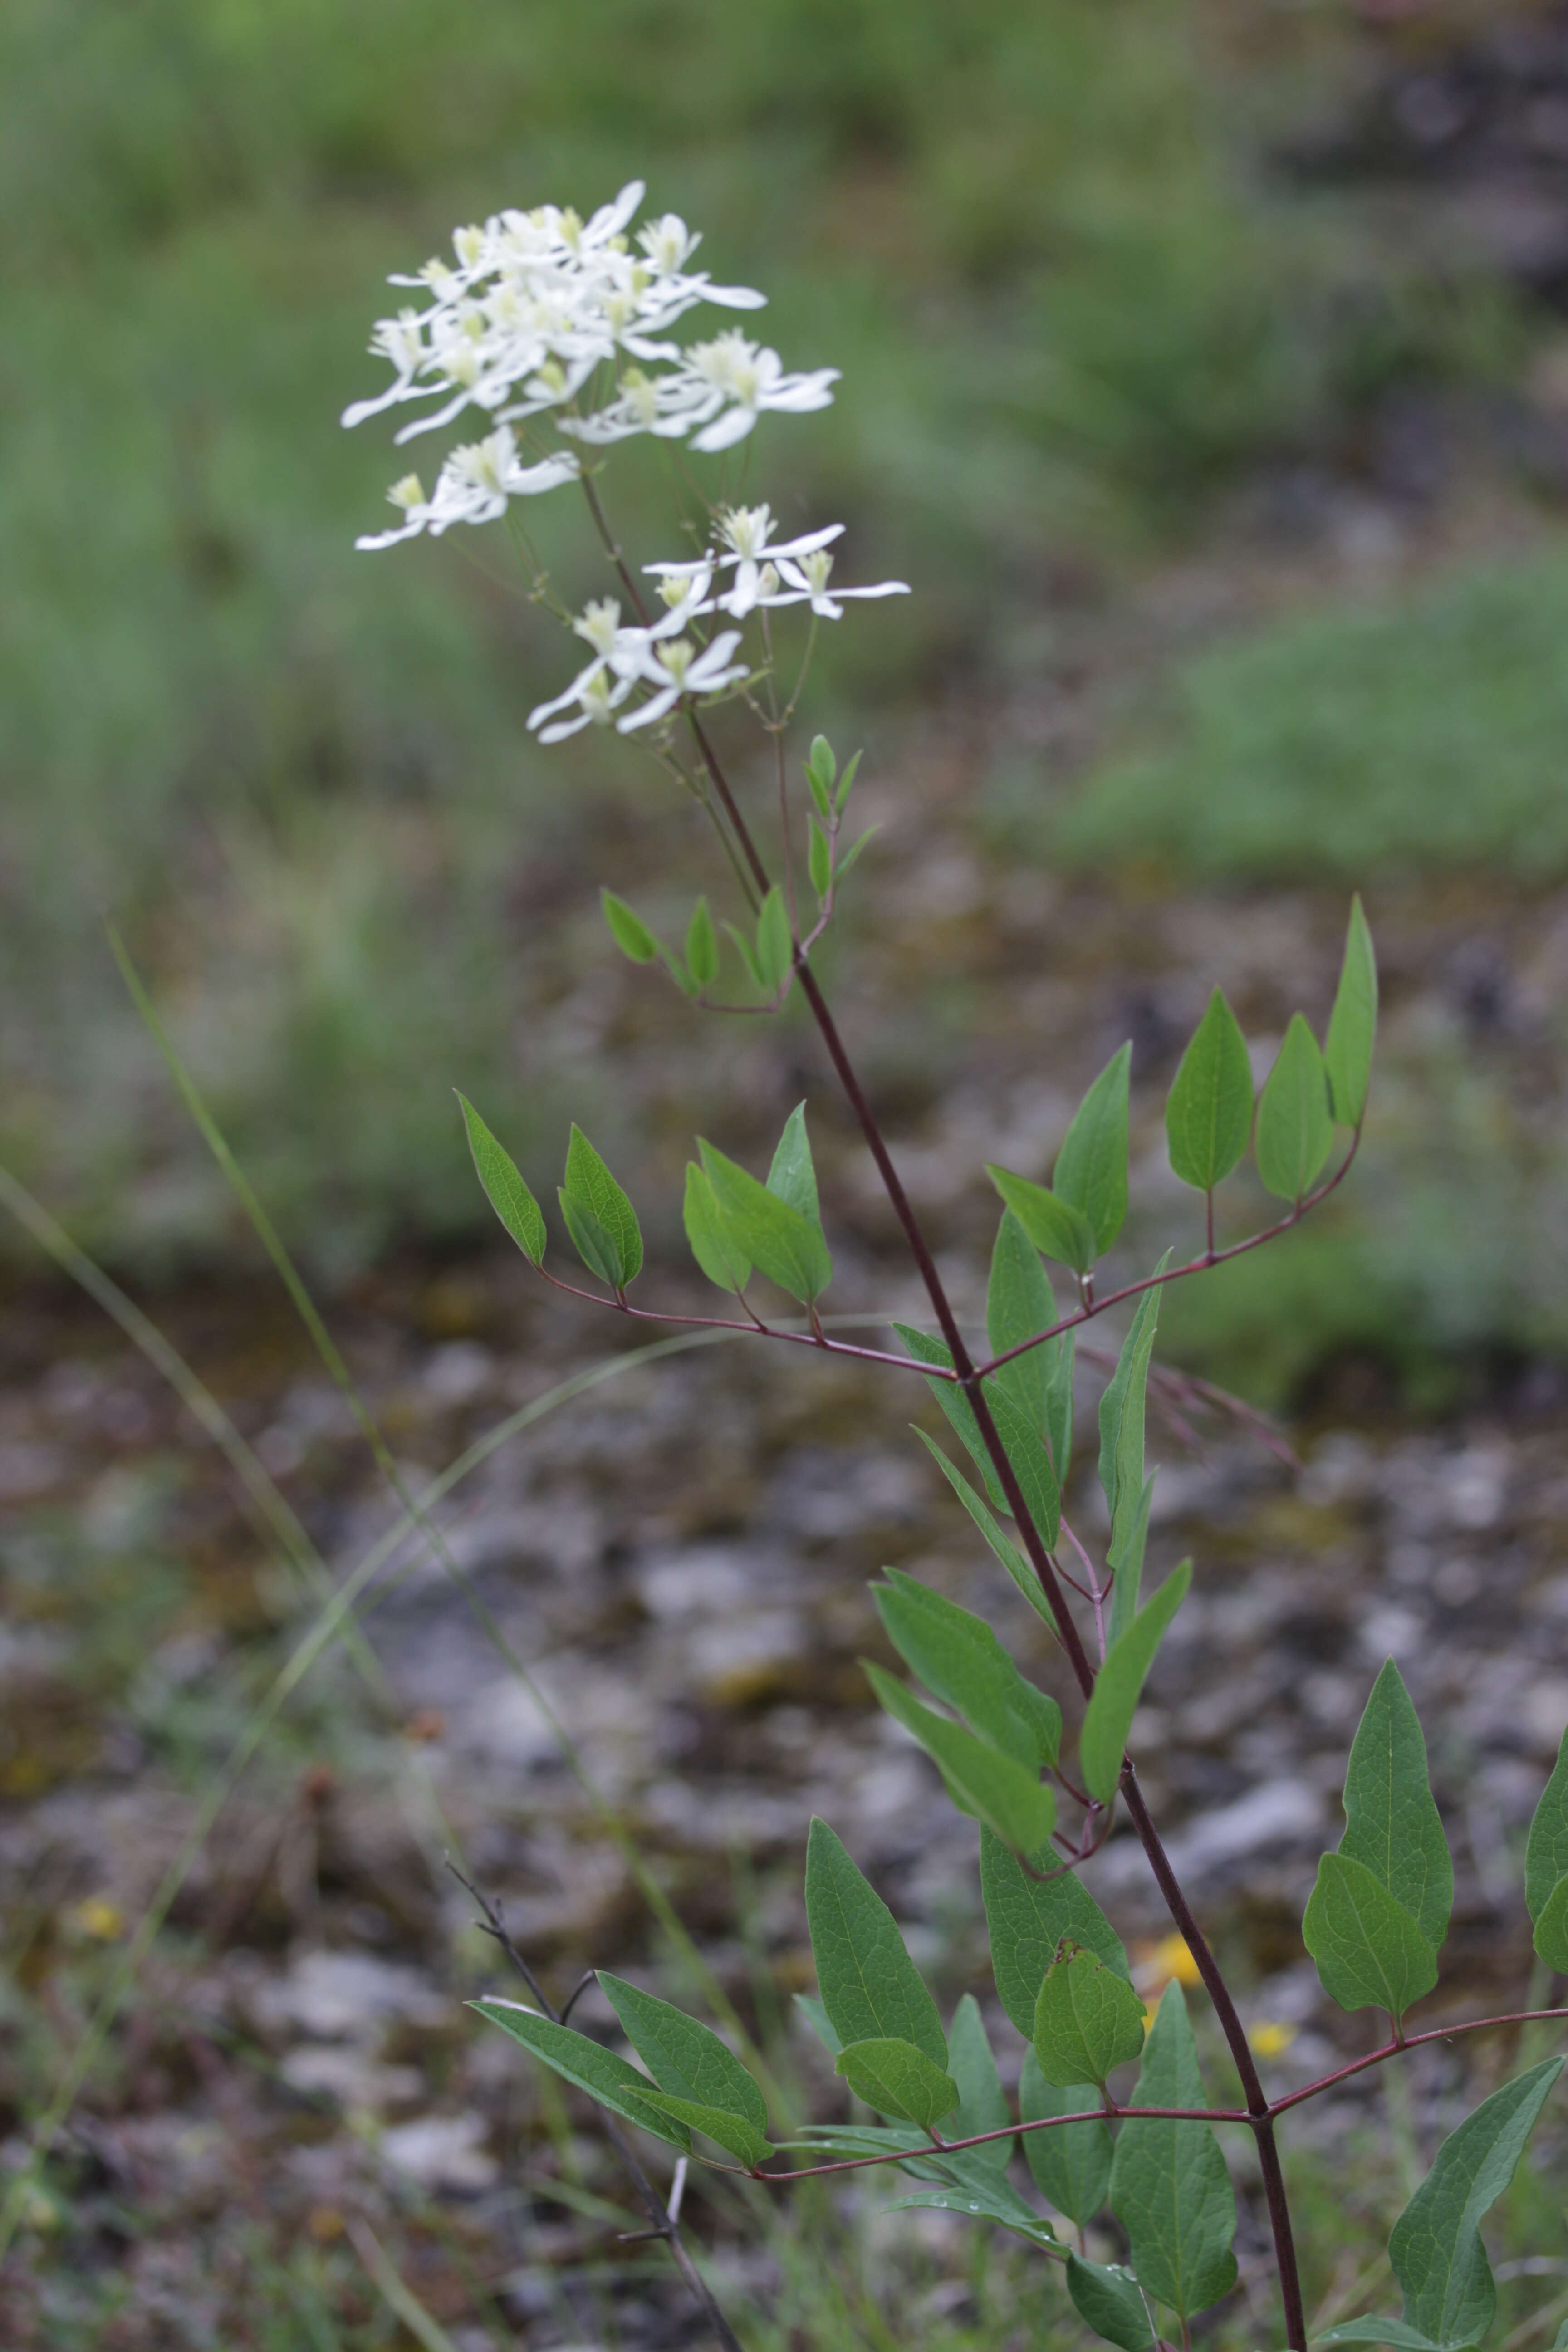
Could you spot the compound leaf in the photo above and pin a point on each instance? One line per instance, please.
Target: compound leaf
(1057, 1229)
(578, 2059)
(507, 1194)
(1353, 1023)
(1370, 1954)
(781, 1244)
(1091, 1173)
(1088, 2019)
(1120, 1683)
(981, 1779)
(960, 1660)
(870, 1988)
(1294, 1129)
(896, 2079)
(1208, 1112)
(1070, 2163)
(1027, 1918)
(1169, 2186)
(722, 1259)
(1392, 1825)
(589, 1185)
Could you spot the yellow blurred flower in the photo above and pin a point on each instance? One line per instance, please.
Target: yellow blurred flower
(1269, 2040)
(1158, 1965)
(101, 1918)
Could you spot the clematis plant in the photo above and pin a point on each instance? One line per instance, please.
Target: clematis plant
(561, 332)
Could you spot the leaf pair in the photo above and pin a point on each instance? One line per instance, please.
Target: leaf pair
(1378, 1914)
(698, 2083)
(1435, 2250)
(599, 1217)
(636, 941)
(991, 1767)
(734, 1224)
(1076, 1218)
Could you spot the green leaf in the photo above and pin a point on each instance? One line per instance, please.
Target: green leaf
(578, 2059)
(1208, 1113)
(1054, 1225)
(1435, 2246)
(821, 771)
(747, 954)
(982, 2102)
(852, 854)
(926, 1349)
(781, 1244)
(1294, 1130)
(818, 858)
(775, 949)
(726, 1266)
(896, 2079)
(981, 1779)
(1353, 1023)
(821, 2024)
(1128, 1493)
(1006, 1551)
(1546, 1852)
(590, 1185)
(593, 1244)
(1120, 1683)
(847, 785)
(731, 2131)
(1088, 2019)
(982, 2197)
(870, 1988)
(1169, 2186)
(701, 946)
(793, 1176)
(1552, 1928)
(1370, 1954)
(1027, 1918)
(1059, 1407)
(961, 1662)
(684, 2057)
(1021, 1442)
(1071, 2164)
(1091, 1173)
(628, 930)
(1019, 1302)
(507, 1194)
(1392, 1825)
(1106, 2298)
(1392, 2332)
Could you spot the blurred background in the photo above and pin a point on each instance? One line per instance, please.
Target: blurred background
(1205, 371)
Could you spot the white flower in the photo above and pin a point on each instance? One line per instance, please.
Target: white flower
(683, 591)
(809, 574)
(677, 669)
(747, 533)
(597, 691)
(736, 371)
(473, 486)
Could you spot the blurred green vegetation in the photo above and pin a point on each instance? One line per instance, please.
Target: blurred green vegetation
(1068, 304)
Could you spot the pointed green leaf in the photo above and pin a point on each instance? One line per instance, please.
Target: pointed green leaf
(726, 1266)
(1054, 1225)
(781, 1244)
(896, 2079)
(1208, 1114)
(1169, 2186)
(578, 2059)
(1435, 2247)
(821, 771)
(927, 1348)
(590, 1185)
(980, 1778)
(821, 2024)
(1370, 1954)
(1546, 1853)
(1071, 2163)
(507, 1194)
(793, 1176)
(1019, 1302)
(731, 2131)
(628, 930)
(858, 847)
(1087, 2019)
(593, 1244)
(1392, 2332)
(1027, 1918)
(1122, 1410)
(870, 1988)
(1119, 1683)
(701, 946)
(1392, 1825)
(775, 949)
(846, 782)
(961, 1662)
(1552, 1928)
(1059, 1407)
(1106, 2298)
(1006, 1551)
(747, 954)
(982, 2102)
(980, 2196)
(1353, 1023)
(1021, 1442)
(818, 858)
(1294, 1129)
(684, 2057)
(1091, 1173)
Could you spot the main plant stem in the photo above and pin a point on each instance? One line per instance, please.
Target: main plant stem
(1177, 1903)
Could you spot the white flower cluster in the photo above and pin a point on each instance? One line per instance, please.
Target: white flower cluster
(766, 574)
(541, 312)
